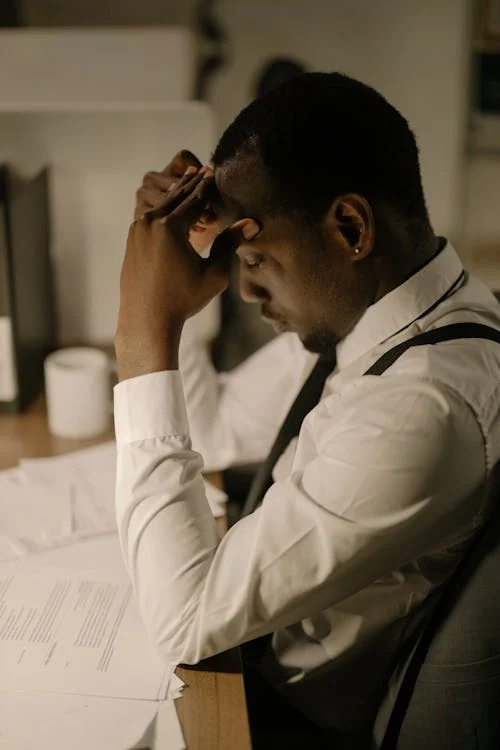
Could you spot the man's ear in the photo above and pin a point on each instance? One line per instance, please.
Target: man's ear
(351, 224)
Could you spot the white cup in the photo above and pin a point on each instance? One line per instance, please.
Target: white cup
(78, 392)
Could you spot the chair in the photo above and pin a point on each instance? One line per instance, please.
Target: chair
(450, 695)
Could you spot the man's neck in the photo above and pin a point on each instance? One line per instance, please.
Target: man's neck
(402, 264)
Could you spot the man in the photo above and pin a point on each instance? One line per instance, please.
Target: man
(316, 187)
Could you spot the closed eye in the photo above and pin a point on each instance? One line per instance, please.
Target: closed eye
(252, 260)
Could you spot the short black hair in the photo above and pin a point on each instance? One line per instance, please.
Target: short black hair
(324, 134)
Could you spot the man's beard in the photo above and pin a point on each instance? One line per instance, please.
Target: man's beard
(321, 342)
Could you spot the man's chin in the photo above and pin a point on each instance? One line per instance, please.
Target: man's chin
(319, 343)
(279, 326)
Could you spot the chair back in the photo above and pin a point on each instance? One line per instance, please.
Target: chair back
(450, 695)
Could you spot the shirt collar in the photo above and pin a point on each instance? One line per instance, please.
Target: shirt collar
(400, 307)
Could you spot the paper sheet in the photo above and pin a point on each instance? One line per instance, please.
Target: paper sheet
(58, 722)
(52, 502)
(62, 721)
(92, 473)
(91, 476)
(33, 515)
(75, 632)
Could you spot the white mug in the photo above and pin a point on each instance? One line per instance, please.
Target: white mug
(78, 392)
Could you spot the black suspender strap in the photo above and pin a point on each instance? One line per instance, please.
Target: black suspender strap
(308, 397)
(445, 333)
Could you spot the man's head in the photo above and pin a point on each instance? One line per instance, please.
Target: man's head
(330, 169)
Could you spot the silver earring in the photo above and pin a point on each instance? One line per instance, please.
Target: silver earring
(357, 250)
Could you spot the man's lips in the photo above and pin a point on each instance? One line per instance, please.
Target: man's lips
(268, 315)
(279, 324)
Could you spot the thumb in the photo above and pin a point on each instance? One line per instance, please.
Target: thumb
(227, 242)
(223, 248)
(180, 162)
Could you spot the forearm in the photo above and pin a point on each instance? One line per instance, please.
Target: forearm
(158, 475)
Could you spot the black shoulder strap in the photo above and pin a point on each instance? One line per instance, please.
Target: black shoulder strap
(443, 606)
(445, 333)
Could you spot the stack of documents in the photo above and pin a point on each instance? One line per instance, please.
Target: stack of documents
(50, 502)
(33, 515)
(77, 667)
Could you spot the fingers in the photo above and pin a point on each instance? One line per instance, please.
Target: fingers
(193, 209)
(180, 162)
(218, 265)
(185, 204)
(189, 159)
(149, 238)
(174, 197)
(153, 192)
(237, 234)
(164, 181)
(147, 199)
(228, 241)
(159, 181)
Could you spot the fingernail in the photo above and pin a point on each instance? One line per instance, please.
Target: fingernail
(251, 229)
(190, 171)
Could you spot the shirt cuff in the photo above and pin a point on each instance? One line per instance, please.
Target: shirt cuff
(150, 406)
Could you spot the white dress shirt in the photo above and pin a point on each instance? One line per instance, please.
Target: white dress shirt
(371, 507)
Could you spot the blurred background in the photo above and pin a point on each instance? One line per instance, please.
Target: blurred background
(100, 91)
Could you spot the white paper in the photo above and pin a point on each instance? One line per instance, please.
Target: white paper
(102, 552)
(62, 721)
(58, 722)
(72, 632)
(33, 516)
(87, 464)
(91, 473)
(168, 734)
(99, 552)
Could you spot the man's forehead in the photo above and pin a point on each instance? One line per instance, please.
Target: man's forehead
(240, 183)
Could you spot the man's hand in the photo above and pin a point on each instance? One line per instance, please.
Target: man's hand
(164, 281)
(155, 188)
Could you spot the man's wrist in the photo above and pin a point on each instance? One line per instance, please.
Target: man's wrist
(133, 360)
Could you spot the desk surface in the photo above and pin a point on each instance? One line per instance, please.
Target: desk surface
(212, 710)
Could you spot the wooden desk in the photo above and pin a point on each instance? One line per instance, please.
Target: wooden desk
(212, 710)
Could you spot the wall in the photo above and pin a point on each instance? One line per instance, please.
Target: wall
(105, 12)
(417, 52)
(97, 161)
(97, 112)
(482, 216)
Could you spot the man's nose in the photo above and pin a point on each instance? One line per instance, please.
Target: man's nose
(250, 289)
